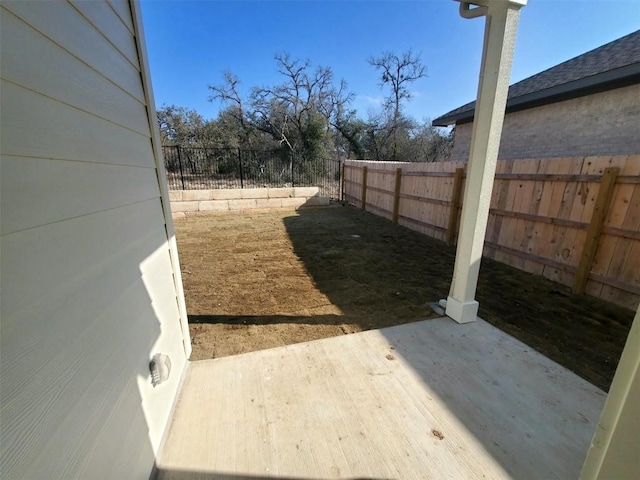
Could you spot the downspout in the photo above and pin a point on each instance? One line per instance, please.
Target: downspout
(501, 24)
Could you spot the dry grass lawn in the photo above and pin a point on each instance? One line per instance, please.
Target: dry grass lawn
(266, 280)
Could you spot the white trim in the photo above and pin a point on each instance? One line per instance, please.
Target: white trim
(462, 312)
(162, 180)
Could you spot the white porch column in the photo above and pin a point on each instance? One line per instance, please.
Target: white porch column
(501, 25)
(616, 443)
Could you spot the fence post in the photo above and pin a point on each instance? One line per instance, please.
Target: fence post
(291, 163)
(600, 210)
(180, 165)
(364, 188)
(342, 168)
(396, 195)
(240, 163)
(455, 204)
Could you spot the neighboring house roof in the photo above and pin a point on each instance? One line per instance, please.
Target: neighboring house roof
(610, 66)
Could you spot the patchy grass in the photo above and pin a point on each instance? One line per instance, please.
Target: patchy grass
(260, 281)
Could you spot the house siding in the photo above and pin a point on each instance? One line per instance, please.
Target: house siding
(88, 285)
(606, 123)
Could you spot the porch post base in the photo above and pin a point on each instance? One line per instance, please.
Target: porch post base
(462, 312)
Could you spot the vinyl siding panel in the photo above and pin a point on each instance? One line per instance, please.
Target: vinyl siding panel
(88, 292)
(122, 9)
(102, 16)
(90, 312)
(68, 79)
(93, 182)
(39, 126)
(104, 460)
(65, 26)
(37, 267)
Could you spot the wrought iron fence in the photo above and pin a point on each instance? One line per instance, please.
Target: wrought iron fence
(196, 168)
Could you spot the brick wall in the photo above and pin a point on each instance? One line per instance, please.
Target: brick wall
(606, 123)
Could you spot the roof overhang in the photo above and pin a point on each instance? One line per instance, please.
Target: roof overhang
(620, 77)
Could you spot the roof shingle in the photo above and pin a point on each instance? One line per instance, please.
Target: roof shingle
(621, 53)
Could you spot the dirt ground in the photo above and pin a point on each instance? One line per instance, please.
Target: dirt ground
(259, 281)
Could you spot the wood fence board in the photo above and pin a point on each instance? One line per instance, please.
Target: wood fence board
(456, 200)
(519, 231)
(631, 272)
(622, 196)
(582, 211)
(626, 299)
(424, 209)
(632, 166)
(615, 263)
(546, 230)
(582, 208)
(442, 190)
(632, 218)
(547, 189)
(408, 185)
(633, 277)
(495, 194)
(628, 269)
(540, 210)
(589, 245)
(545, 206)
(620, 205)
(513, 227)
(563, 249)
(572, 194)
(559, 276)
(363, 182)
(532, 228)
(437, 191)
(613, 249)
(428, 212)
(405, 188)
(507, 224)
(594, 288)
(500, 202)
(396, 194)
(596, 165)
(617, 256)
(522, 203)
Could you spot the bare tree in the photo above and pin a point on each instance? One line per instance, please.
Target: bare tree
(398, 71)
(302, 113)
(227, 93)
(301, 110)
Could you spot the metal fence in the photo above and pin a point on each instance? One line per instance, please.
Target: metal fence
(195, 168)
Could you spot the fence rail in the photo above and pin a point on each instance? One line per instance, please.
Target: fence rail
(193, 168)
(574, 220)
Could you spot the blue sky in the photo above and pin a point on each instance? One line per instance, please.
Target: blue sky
(191, 42)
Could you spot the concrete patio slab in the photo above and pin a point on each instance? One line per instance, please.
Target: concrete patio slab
(431, 399)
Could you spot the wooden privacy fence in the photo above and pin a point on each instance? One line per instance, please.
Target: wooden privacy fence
(574, 220)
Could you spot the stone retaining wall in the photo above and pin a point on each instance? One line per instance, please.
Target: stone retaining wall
(236, 200)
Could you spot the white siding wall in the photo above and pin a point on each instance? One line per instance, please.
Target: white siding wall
(88, 292)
